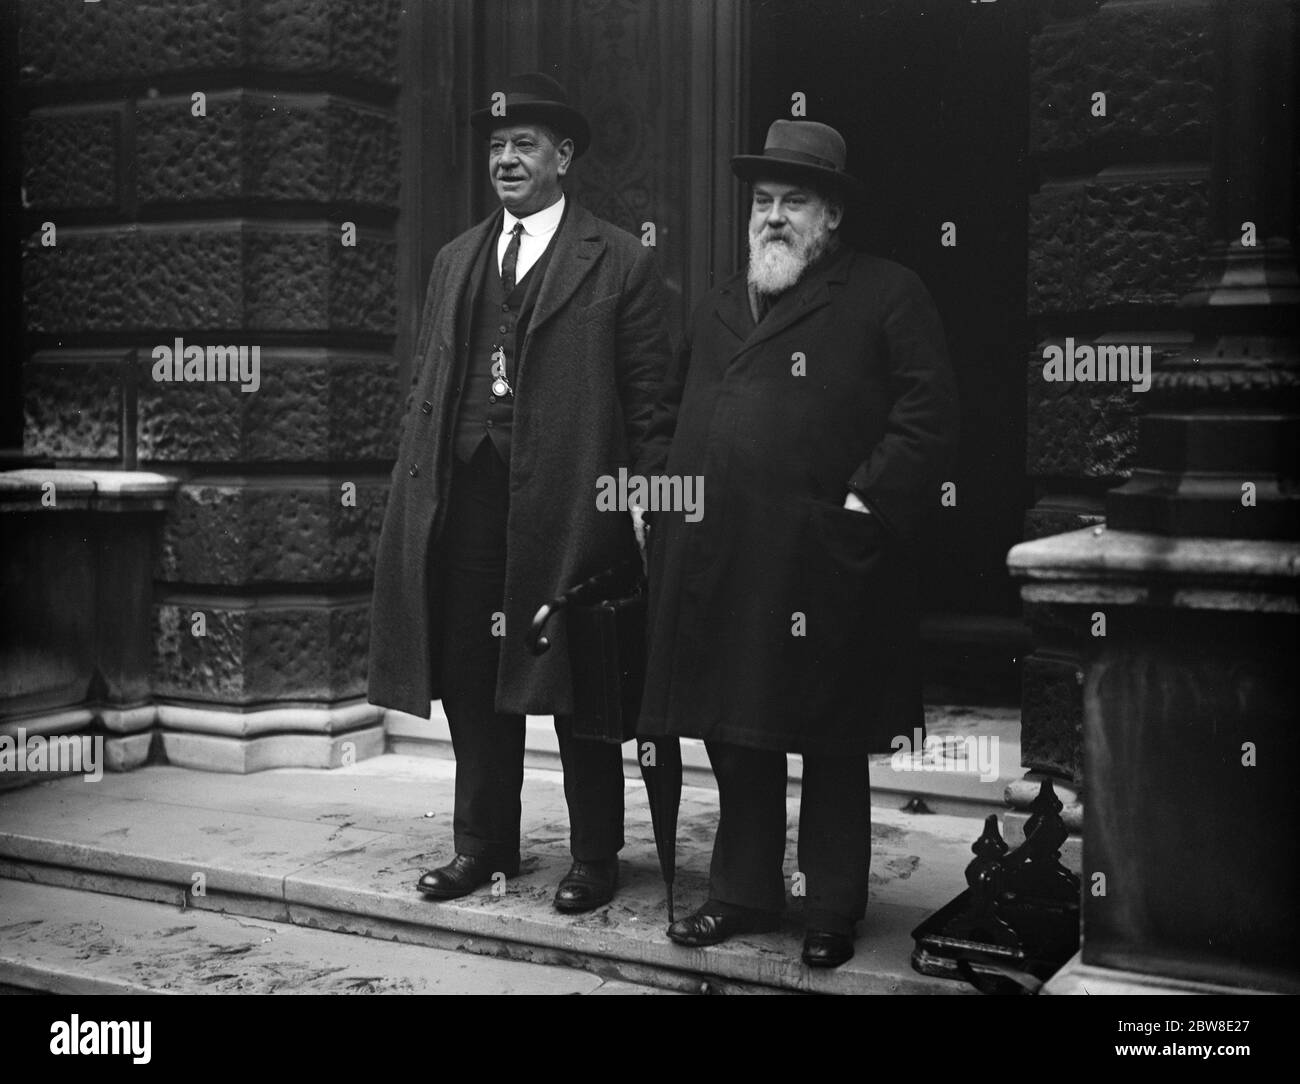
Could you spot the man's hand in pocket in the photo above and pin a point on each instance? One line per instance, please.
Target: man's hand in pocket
(854, 503)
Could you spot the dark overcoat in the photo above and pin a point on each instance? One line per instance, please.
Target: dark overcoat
(781, 620)
(589, 367)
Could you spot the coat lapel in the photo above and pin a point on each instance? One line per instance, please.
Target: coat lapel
(732, 308)
(463, 281)
(807, 296)
(578, 245)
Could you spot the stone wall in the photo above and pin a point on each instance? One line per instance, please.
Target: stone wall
(1117, 225)
(192, 171)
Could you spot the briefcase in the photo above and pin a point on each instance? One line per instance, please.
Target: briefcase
(605, 620)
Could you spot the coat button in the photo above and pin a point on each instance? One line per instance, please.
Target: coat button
(492, 398)
(427, 407)
(415, 472)
(488, 423)
(503, 329)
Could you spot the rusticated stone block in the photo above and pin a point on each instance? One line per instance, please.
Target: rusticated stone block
(365, 154)
(71, 41)
(1054, 244)
(75, 42)
(337, 35)
(1109, 243)
(183, 157)
(134, 279)
(341, 408)
(1144, 240)
(289, 265)
(349, 647)
(306, 280)
(72, 404)
(324, 149)
(234, 276)
(70, 158)
(1051, 721)
(1079, 430)
(266, 531)
(1154, 62)
(267, 147)
(310, 406)
(363, 285)
(1042, 522)
(308, 650)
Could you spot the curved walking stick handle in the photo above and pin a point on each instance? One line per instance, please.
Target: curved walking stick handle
(537, 643)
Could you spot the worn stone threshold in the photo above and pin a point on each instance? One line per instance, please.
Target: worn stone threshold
(65, 941)
(340, 850)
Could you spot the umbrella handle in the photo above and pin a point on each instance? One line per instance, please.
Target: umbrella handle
(539, 644)
(536, 642)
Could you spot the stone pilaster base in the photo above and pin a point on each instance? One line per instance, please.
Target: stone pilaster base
(1076, 977)
(209, 752)
(255, 740)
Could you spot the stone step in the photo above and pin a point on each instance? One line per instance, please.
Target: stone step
(62, 941)
(340, 850)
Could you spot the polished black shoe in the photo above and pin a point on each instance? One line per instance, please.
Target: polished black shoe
(707, 927)
(821, 948)
(462, 875)
(587, 885)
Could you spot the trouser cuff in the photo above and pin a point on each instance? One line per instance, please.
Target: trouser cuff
(587, 853)
(716, 906)
(477, 848)
(831, 922)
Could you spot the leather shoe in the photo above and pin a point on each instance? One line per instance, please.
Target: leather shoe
(462, 875)
(821, 948)
(587, 885)
(707, 927)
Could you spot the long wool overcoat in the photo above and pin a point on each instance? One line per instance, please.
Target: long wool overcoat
(781, 620)
(587, 376)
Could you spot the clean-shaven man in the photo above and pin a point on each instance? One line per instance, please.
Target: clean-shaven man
(541, 350)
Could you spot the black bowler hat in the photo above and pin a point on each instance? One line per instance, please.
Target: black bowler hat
(802, 150)
(532, 97)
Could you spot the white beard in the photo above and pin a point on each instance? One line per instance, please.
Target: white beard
(777, 264)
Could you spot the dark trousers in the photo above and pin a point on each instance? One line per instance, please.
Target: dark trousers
(470, 561)
(834, 834)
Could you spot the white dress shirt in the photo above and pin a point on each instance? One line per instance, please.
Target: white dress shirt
(539, 227)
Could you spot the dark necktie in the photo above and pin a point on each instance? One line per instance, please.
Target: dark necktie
(510, 261)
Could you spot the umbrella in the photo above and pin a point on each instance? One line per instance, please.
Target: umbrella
(605, 621)
(661, 769)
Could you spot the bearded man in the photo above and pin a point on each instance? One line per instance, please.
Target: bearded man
(815, 396)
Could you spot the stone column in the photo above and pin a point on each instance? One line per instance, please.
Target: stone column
(207, 175)
(1189, 866)
(1121, 135)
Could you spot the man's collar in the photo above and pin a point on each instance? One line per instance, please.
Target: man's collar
(543, 221)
